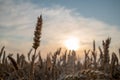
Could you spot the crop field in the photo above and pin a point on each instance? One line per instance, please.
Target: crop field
(105, 66)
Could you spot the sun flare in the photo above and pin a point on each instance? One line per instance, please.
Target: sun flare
(72, 43)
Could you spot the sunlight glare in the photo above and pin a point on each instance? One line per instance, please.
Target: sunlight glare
(72, 43)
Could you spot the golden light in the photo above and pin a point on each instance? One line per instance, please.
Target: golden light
(72, 43)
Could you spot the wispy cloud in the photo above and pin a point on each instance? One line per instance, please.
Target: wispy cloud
(18, 20)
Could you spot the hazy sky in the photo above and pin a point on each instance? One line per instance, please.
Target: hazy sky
(87, 20)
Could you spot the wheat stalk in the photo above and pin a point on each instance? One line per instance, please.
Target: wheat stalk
(4, 56)
(106, 60)
(1, 52)
(94, 54)
(37, 33)
(29, 54)
(14, 63)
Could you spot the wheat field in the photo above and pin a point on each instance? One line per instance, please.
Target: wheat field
(60, 67)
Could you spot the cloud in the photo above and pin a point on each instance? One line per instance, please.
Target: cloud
(18, 21)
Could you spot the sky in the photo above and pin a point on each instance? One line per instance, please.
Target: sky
(86, 20)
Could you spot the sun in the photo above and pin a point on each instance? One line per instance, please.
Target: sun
(72, 43)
